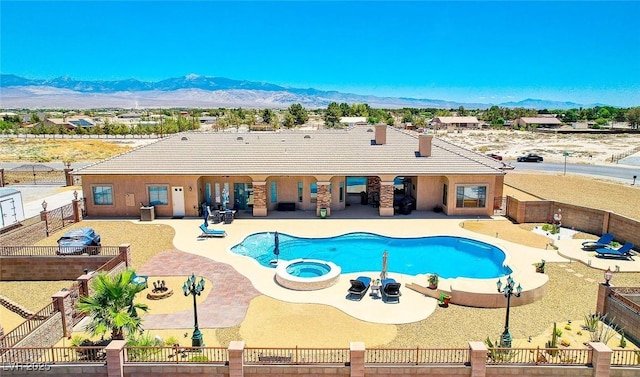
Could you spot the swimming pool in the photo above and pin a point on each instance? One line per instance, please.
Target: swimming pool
(449, 256)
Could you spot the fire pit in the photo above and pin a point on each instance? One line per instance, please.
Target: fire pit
(159, 291)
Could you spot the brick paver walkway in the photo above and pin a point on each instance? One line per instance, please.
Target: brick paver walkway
(225, 306)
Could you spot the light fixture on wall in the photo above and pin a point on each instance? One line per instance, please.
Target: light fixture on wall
(190, 188)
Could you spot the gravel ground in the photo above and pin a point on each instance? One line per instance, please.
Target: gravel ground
(572, 287)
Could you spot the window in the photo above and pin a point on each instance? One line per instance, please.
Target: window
(158, 195)
(445, 194)
(102, 195)
(300, 188)
(341, 191)
(207, 190)
(314, 192)
(274, 192)
(471, 196)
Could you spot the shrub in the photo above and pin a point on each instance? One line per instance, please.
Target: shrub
(199, 358)
(567, 327)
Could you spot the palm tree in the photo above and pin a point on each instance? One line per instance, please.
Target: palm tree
(111, 306)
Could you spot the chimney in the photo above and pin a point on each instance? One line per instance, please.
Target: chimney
(381, 134)
(424, 145)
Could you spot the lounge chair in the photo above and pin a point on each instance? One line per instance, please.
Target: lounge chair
(139, 279)
(603, 241)
(623, 252)
(390, 290)
(206, 232)
(359, 286)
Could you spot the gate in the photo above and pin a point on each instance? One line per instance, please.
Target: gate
(35, 174)
(500, 206)
(59, 218)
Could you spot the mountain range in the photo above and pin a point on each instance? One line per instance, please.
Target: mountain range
(205, 91)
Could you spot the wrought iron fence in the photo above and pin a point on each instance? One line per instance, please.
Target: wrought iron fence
(43, 251)
(176, 354)
(417, 356)
(296, 355)
(59, 218)
(35, 175)
(33, 322)
(52, 355)
(535, 356)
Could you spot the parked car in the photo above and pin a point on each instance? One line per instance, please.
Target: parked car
(79, 241)
(530, 158)
(496, 156)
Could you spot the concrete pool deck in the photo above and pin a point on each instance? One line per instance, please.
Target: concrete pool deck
(413, 306)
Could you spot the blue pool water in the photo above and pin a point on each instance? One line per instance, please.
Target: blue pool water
(308, 269)
(448, 256)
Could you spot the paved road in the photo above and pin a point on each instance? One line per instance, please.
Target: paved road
(617, 172)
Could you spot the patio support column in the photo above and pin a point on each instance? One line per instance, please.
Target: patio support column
(260, 198)
(600, 359)
(386, 198)
(236, 357)
(478, 358)
(115, 358)
(324, 198)
(356, 355)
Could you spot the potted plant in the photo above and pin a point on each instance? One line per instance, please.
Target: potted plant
(540, 267)
(444, 300)
(433, 281)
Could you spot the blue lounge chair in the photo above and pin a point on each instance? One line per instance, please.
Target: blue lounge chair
(622, 252)
(390, 290)
(359, 286)
(603, 241)
(139, 279)
(206, 232)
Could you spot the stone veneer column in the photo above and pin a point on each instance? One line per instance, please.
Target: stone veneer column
(600, 359)
(603, 293)
(386, 198)
(236, 358)
(260, 198)
(478, 355)
(115, 358)
(324, 198)
(356, 354)
(62, 303)
(125, 254)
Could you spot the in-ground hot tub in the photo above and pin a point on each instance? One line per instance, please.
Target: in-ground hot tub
(307, 274)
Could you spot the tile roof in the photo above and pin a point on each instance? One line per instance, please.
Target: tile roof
(332, 152)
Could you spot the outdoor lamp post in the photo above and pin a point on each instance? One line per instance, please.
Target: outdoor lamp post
(505, 340)
(192, 287)
(608, 274)
(46, 217)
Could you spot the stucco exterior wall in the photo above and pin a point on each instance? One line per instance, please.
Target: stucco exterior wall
(490, 181)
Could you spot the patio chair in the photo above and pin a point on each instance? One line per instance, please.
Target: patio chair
(206, 232)
(603, 241)
(359, 286)
(139, 279)
(390, 290)
(623, 252)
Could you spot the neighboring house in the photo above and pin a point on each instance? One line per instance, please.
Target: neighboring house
(354, 121)
(538, 122)
(70, 123)
(455, 122)
(301, 170)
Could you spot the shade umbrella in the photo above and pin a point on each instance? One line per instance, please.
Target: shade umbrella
(385, 258)
(276, 247)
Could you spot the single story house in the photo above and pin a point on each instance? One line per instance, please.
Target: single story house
(543, 122)
(309, 170)
(455, 122)
(354, 121)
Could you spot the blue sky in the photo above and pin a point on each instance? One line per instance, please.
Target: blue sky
(477, 51)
